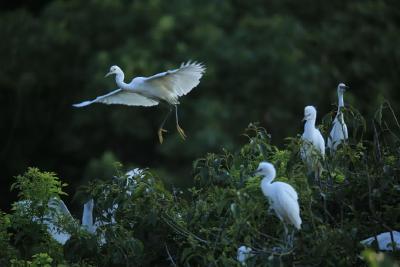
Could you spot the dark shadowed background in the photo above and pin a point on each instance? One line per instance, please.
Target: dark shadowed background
(265, 61)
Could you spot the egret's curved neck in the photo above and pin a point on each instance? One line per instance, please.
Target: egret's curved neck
(119, 79)
(268, 178)
(309, 125)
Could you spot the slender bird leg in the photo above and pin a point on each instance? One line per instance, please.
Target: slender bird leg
(161, 129)
(291, 238)
(286, 236)
(180, 130)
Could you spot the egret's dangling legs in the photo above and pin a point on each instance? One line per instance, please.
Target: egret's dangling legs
(161, 129)
(180, 130)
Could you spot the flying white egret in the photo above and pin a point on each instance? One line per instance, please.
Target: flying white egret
(282, 197)
(150, 91)
(339, 129)
(243, 253)
(385, 241)
(313, 146)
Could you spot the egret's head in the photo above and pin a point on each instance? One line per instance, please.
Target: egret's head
(244, 249)
(113, 70)
(266, 169)
(341, 88)
(310, 113)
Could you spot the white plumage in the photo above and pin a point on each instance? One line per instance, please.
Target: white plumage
(339, 131)
(243, 253)
(282, 196)
(313, 147)
(149, 91)
(87, 217)
(57, 209)
(384, 241)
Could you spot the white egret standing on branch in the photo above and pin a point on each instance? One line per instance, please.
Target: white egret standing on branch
(150, 91)
(339, 129)
(282, 197)
(313, 147)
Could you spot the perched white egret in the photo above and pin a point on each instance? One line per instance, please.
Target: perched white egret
(57, 209)
(150, 91)
(313, 147)
(243, 253)
(339, 129)
(87, 217)
(282, 197)
(385, 241)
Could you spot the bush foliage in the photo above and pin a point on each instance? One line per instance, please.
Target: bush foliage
(149, 224)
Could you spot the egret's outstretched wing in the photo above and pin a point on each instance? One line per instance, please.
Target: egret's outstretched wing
(122, 97)
(177, 82)
(59, 206)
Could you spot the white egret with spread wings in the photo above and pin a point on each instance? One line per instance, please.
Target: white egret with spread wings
(166, 87)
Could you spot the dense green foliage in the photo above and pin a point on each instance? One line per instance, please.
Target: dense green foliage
(205, 224)
(198, 201)
(265, 61)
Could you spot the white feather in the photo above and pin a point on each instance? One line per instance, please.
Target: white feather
(314, 144)
(282, 196)
(339, 129)
(384, 241)
(338, 134)
(148, 91)
(177, 82)
(123, 97)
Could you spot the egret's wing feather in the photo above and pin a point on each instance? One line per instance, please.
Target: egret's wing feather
(345, 132)
(289, 190)
(59, 206)
(177, 82)
(287, 205)
(320, 143)
(337, 134)
(122, 97)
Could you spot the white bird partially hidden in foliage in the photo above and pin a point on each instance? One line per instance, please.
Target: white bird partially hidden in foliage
(339, 129)
(87, 217)
(57, 210)
(150, 91)
(243, 253)
(313, 147)
(282, 197)
(385, 241)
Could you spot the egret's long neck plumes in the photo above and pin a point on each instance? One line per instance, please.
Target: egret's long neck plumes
(119, 79)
